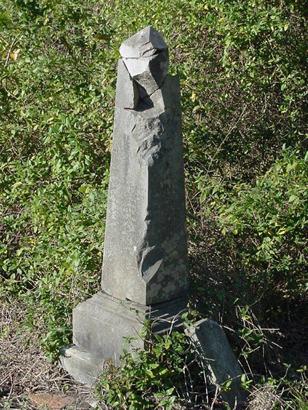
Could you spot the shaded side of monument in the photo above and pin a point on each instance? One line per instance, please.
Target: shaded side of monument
(144, 273)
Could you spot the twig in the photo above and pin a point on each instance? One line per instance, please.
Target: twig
(9, 51)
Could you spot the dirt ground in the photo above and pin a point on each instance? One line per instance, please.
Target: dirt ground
(27, 379)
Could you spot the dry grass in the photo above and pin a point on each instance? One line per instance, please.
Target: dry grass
(25, 371)
(265, 398)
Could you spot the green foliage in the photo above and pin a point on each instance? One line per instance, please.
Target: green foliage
(267, 221)
(54, 160)
(241, 66)
(150, 378)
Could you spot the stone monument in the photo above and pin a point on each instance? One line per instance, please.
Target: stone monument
(144, 271)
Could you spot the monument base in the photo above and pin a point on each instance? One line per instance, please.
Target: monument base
(101, 327)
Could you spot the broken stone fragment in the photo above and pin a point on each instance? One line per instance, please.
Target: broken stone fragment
(145, 43)
(127, 95)
(219, 359)
(148, 72)
(145, 56)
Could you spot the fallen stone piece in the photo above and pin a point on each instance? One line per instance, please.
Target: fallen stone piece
(219, 359)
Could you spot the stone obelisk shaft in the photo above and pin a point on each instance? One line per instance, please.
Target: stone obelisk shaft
(145, 242)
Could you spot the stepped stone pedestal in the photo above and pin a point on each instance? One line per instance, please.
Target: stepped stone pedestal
(144, 273)
(102, 326)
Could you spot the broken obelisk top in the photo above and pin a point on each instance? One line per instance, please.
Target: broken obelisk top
(145, 242)
(144, 271)
(145, 56)
(145, 43)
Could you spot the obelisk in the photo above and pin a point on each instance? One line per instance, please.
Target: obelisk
(144, 271)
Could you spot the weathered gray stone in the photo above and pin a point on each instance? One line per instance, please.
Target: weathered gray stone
(145, 56)
(128, 94)
(101, 323)
(218, 358)
(102, 326)
(144, 43)
(148, 72)
(145, 241)
(144, 273)
(82, 365)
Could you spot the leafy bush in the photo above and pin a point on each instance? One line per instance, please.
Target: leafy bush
(241, 66)
(266, 222)
(54, 160)
(163, 375)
